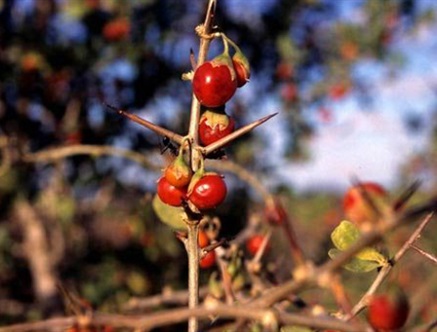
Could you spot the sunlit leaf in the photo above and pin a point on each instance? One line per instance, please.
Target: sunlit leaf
(345, 234)
(371, 254)
(170, 215)
(355, 264)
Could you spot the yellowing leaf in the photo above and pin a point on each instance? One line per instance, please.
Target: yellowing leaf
(368, 259)
(355, 264)
(344, 235)
(170, 215)
(371, 254)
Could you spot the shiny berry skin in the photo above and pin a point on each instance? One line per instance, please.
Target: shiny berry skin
(208, 192)
(170, 194)
(253, 243)
(214, 83)
(178, 173)
(242, 69)
(208, 260)
(356, 207)
(388, 312)
(213, 126)
(202, 239)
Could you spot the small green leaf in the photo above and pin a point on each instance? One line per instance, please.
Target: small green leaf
(371, 254)
(170, 215)
(355, 264)
(344, 235)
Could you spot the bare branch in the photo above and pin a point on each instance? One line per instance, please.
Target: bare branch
(55, 154)
(174, 316)
(362, 303)
(432, 258)
(167, 297)
(37, 252)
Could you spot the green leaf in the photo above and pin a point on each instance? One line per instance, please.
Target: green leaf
(170, 215)
(371, 254)
(346, 234)
(356, 264)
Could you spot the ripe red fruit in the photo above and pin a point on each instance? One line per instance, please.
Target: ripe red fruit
(253, 244)
(356, 208)
(208, 192)
(117, 29)
(208, 260)
(202, 239)
(170, 194)
(215, 82)
(389, 311)
(284, 70)
(178, 173)
(289, 92)
(213, 126)
(338, 90)
(242, 68)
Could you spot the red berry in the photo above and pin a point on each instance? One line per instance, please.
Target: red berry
(170, 194)
(253, 244)
(388, 312)
(213, 126)
(284, 70)
(214, 82)
(178, 173)
(202, 239)
(338, 90)
(242, 68)
(355, 205)
(208, 260)
(117, 29)
(208, 192)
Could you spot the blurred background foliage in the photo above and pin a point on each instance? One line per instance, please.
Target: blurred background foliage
(60, 61)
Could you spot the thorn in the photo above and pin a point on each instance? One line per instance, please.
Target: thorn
(193, 59)
(236, 134)
(149, 125)
(406, 195)
(367, 198)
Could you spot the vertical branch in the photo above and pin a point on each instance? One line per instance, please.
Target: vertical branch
(206, 29)
(37, 252)
(196, 159)
(193, 272)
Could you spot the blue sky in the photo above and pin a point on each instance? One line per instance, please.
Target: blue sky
(373, 142)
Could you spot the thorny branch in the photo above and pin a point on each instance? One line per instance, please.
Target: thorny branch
(383, 273)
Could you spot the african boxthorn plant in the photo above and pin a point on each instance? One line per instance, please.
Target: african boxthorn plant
(242, 286)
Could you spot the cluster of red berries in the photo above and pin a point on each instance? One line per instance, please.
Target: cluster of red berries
(214, 83)
(205, 190)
